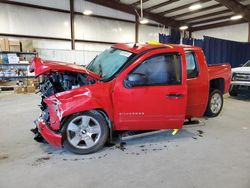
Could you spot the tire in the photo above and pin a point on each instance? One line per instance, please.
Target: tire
(215, 103)
(85, 133)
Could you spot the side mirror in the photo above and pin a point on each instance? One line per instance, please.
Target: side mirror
(135, 79)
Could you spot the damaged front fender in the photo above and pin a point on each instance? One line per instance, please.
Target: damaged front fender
(71, 102)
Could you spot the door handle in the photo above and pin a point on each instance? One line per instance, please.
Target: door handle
(175, 95)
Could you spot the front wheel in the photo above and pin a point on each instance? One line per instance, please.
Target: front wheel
(215, 103)
(85, 133)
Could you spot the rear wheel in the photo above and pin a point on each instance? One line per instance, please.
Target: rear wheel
(215, 103)
(85, 133)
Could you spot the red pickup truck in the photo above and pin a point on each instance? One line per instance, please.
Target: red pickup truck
(126, 87)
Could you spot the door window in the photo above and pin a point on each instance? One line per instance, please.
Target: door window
(164, 69)
(192, 68)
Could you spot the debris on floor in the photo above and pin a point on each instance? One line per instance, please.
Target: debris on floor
(121, 146)
(40, 161)
(4, 156)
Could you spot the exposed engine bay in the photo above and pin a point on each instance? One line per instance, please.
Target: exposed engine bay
(56, 82)
(62, 81)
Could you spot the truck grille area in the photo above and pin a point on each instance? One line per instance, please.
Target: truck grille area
(45, 113)
(241, 77)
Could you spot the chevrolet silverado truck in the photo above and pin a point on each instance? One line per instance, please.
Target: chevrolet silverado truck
(240, 83)
(127, 87)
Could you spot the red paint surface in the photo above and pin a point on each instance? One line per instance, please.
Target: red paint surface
(44, 67)
(138, 108)
(50, 136)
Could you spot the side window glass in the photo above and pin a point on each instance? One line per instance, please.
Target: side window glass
(162, 69)
(192, 68)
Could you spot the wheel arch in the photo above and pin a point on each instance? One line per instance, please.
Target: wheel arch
(217, 83)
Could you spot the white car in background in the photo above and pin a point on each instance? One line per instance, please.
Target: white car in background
(240, 83)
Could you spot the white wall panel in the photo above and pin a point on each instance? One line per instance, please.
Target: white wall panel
(237, 32)
(91, 28)
(91, 46)
(150, 33)
(83, 54)
(69, 56)
(79, 57)
(51, 44)
(62, 4)
(81, 5)
(90, 50)
(29, 21)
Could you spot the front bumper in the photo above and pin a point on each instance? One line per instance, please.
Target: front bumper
(50, 136)
(240, 87)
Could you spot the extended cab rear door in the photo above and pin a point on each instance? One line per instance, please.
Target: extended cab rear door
(161, 102)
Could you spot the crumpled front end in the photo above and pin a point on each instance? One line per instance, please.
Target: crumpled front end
(56, 107)
(56, 78)
(48, 124)
(50, 136)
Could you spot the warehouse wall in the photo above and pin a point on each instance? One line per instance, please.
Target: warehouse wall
(30, 21)
(83, 54)
(237, 32)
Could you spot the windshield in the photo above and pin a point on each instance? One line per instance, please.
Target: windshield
(247, 64)
(109, 62)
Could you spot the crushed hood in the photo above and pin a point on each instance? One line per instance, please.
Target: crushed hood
(40, 67)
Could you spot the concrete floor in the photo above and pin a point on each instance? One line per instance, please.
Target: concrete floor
(212, 154)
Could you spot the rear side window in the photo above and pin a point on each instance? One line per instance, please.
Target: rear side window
(164, 69)
(192, 68)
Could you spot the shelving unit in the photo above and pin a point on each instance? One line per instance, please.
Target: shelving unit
(14, 71)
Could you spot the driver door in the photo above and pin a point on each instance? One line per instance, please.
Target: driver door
(160, 102)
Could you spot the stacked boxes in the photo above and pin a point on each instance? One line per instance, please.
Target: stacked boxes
(16, 45)
(10, 45)
(29, 86)
(21, 89)
(4, 44)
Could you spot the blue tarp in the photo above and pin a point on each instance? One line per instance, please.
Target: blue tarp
(173, 38)
(217, 50)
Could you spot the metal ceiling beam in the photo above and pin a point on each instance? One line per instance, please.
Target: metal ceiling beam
(248, 31)
(210, 20)
(131, 10)
(182, 7)
(34, 6)
(138, 2)
(161, 5)
(213, 19)
(221, 24)
(197, 11)
(206, 16)
(72, 23)
(236, 7)
(136, 28)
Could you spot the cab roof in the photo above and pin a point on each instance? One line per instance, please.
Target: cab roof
(141, 47)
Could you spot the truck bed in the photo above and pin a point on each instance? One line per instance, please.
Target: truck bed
(221, 71)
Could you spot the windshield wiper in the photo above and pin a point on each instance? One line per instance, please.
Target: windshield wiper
(100, 69)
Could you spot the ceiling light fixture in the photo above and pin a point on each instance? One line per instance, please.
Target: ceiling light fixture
(184, 27)
(143, 21)
(87, 12)
(237, 17)
(195, 7)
